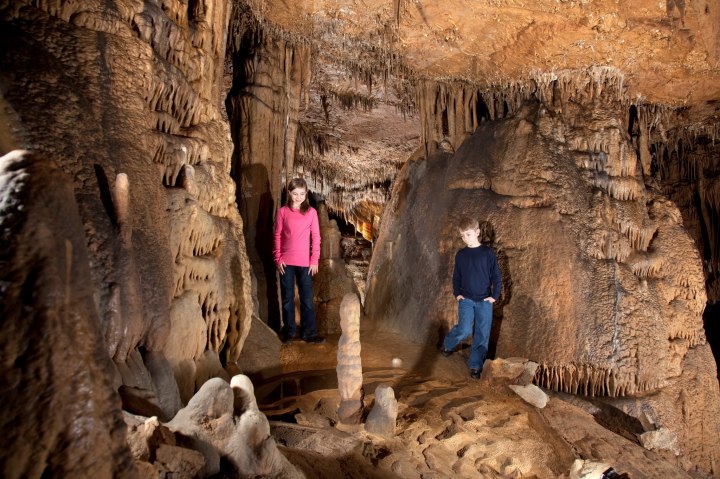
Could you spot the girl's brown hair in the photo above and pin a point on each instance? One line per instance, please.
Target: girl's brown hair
(294, 184)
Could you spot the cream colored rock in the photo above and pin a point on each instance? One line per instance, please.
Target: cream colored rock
(585, 469)
(223, 420)
(531, 394)
(349, 364)
(383, 416)
(135, 120)
(332, 282)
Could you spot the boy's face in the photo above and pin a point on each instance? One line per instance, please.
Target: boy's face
(471, 237)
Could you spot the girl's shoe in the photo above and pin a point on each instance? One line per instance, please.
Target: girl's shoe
(314, 340)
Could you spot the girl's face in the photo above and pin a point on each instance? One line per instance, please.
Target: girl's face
(298, 196)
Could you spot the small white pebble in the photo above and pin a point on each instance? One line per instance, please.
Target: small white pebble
(396, 362)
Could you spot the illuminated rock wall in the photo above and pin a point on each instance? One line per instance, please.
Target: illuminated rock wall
(604, 287)
(127, 97)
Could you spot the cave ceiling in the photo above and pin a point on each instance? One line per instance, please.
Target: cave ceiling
(667, 51)
(368, 55)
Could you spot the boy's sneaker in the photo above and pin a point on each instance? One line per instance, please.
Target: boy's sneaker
(475, 373)
(314, 340)
(446, 352)
(286, 339)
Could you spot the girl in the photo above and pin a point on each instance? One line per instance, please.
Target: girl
(296, 230)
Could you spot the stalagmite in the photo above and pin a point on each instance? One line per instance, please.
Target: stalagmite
(383, 416)
(129, 298)
(349, 367)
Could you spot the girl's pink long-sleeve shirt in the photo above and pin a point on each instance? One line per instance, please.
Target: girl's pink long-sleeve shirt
(293, 234)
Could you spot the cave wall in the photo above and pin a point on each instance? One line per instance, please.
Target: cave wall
(270, 77)
(61, 412)
(126, 97)
(604, 287)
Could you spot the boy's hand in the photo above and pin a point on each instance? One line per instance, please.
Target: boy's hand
(490, 299)
(460, 297)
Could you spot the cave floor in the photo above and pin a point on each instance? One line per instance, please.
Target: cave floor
(448, 424)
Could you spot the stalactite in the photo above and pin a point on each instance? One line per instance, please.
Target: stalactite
(588, 380)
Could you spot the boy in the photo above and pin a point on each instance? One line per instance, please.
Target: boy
(476, 286)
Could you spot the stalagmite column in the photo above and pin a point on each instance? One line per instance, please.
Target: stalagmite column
(383, 416)
(126, 328)
(349, 367)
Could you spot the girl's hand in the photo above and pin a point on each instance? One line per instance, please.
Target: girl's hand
(313, 269)
(281, 267)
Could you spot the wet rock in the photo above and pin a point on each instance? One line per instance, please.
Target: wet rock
(383, 417)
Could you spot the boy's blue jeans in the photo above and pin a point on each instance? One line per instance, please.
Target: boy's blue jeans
(308, 328)
(473, 317)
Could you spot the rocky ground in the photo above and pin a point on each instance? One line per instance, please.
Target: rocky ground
(449, 425)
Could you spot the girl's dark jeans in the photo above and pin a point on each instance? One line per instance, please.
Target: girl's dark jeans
(301, 275)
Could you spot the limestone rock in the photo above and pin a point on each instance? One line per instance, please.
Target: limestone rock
(662, 439)
(531, 394)
(511, 370)
(332, 282)
(223, 420)
(148, 151)
(349, 365)
(61, 414)
(599, 282)
(313, 419)
(178, 462)
(158, 452)
(383, 416)
(261, 352)
(586, 469)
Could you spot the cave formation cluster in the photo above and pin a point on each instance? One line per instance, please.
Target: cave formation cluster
(159, 135)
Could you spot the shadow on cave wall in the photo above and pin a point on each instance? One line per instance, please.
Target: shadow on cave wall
(257, 207)
(711, 318)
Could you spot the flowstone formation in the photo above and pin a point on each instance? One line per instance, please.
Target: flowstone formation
(604, 288)
(125, 97)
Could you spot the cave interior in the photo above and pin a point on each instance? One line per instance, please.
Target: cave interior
(146, 147)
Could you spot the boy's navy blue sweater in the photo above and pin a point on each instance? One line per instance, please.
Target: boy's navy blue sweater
(477, 274)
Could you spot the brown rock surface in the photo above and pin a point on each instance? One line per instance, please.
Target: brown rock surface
(61, 415)
(126, 97)
(590, 114)
(603, 286)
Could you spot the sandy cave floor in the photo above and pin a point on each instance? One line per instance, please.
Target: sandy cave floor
(448, 424)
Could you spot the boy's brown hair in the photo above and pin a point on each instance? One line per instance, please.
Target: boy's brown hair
(467, 223)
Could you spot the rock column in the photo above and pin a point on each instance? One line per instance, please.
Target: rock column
(349, 367)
